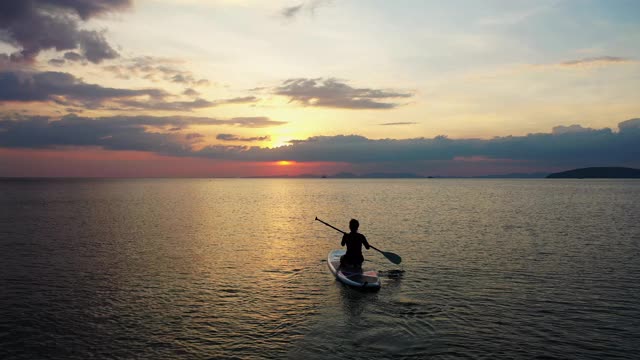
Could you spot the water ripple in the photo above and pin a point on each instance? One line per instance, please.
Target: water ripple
(235, 269)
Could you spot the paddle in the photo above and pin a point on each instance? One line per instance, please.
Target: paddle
(394, 258)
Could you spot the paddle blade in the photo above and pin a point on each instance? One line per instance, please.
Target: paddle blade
(394, 258)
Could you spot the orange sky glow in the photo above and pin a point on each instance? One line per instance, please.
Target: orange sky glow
(94, 162)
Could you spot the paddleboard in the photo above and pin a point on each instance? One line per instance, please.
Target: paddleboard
(362, 278)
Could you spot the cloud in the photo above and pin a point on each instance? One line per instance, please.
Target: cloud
(194, 136)
(115, 132)
(335, 94)
(237, 100)
(39, 132)
(291, 12)
(190, 92)
(73, 56)
(255, 122)
(65, 89)
(69, 56)
(231, 137)
(60, 87)
(398, 123)
(574, 64)
(158, 134)
(37, 25)
(95, 46)
(590, 148)
(56, 62)
(571, 129)
(631, 125)
(85, 9)
(161, 104)
(600, 60)
(155, 69)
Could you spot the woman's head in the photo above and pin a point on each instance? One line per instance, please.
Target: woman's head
(354, 225)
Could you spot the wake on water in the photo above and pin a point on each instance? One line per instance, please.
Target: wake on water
(394, 274)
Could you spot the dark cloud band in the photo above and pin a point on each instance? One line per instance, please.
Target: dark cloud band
(116, 132)
(570, 146)
(57, 86)
(65, 89)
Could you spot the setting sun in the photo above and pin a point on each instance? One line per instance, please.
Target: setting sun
(285, 163)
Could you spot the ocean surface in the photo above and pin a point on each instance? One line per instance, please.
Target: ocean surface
(236, 269)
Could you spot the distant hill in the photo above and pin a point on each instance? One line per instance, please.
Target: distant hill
(598, 173)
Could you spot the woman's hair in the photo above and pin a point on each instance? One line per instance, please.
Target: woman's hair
(354, 224)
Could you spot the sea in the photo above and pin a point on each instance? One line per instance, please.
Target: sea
(236, 269)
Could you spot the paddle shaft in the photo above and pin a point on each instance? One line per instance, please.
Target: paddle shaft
(331, 226)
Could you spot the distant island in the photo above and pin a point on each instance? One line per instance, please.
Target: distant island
(598, 173)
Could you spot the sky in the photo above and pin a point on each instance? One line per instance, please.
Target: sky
(235, 88)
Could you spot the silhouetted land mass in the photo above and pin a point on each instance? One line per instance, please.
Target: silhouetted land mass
(598, 173)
